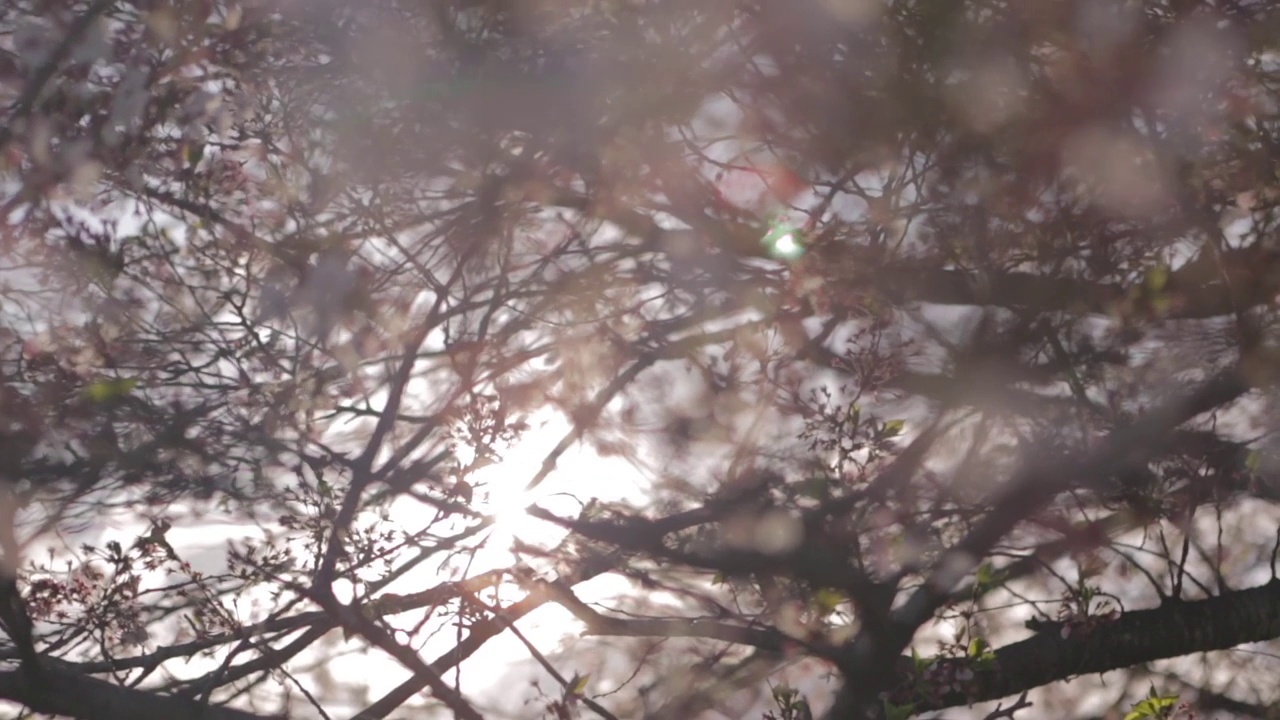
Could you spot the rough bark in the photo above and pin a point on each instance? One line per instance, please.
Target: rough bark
(1173, 629)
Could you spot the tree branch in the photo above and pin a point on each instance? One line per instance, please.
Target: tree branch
(86, 698)
(600, 624)
(869, 666)
(1174, 629)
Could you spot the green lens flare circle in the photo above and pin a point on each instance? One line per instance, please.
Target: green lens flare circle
(784, 242)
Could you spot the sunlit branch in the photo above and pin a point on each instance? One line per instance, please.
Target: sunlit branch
(357, 622)
(385, 605)
(482, 631)
(542, 660)
(600, 624)
(583, 417)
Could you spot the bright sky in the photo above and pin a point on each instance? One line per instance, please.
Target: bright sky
(581, 473)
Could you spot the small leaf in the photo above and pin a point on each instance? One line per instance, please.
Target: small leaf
(1254, 461)
(1152, 707)
(828, 599)
(919, 662)
(898, 712)
(894, 427)
(579, 684)
(985, 575)
(195, 152)
(816, 488)
(1158, 278)
(108, 390)
(976, 647)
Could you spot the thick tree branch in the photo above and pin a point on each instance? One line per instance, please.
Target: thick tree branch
(85, 698)
(1041, 482)
(1174, 629)
(869, 668)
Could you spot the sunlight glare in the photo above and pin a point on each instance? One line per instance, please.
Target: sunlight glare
(786, 245)
(783, 242)
(500, 488)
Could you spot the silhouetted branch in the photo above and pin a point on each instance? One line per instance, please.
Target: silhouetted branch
(87, 698)
(1059, 652)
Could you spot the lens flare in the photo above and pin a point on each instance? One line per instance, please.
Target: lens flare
(784, 242)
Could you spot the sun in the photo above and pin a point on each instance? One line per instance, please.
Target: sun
(502, 493)
(507, 505)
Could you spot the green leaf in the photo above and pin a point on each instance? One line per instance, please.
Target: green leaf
(1154, 706)
(108, 390)
(195, 152)
(985, 574)
(919, 662)
(898, 712)
(1157, 278)
(894, 427)
(828, 599)
(579, 684)
(815, 487)
(1254, 461)
(976, 647)
(987, 577)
